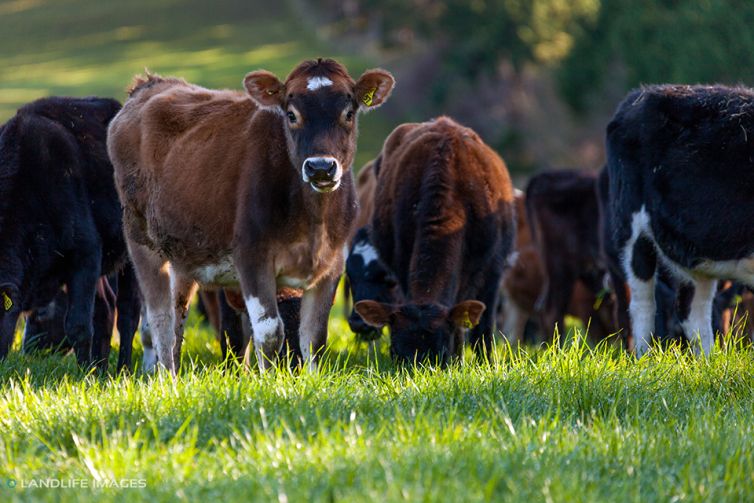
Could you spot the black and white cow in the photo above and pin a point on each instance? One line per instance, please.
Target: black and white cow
(681, 171)
(367, 278)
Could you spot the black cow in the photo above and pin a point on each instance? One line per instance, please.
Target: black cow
(680, 161)
(118, 294)
(60, 219)
(367, 278)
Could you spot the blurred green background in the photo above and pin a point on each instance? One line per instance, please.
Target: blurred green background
(538, 79)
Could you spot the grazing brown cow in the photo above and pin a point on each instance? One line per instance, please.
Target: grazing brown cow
(444, 224)
(254, 189)
(366, 185)
(563, 211)
(523, 281)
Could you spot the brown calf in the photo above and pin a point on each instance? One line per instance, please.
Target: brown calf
(366, 185)
(563, 212)
(522, 283)
(443, 223)
(226, 188)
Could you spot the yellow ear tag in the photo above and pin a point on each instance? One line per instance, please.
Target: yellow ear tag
(367, 99)
(467, 321)
(7, 303)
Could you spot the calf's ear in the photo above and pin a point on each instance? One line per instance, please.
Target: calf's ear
(374, 313)
(373, 88)
(264, 88)
(467, 313)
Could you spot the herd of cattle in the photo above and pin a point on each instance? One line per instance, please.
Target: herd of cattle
(110, 212)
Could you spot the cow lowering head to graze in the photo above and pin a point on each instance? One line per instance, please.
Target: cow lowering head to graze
(254, 189)
(679, 161)
(444, 225)
(367, 278)
(60, 220)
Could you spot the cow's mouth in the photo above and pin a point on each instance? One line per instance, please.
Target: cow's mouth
(324, 186)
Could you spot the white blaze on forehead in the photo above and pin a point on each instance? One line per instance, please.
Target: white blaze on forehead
(264, 328)
(315, 83)
(366, 251)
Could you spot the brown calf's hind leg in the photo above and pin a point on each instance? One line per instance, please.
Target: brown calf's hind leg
(315, 312)
(183, 289)
(153, 273)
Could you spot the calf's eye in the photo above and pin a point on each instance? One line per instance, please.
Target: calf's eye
(291, 117)
(349, 116)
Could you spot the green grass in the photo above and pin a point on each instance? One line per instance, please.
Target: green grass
(576, 424)
(573, 424)
(93, 47)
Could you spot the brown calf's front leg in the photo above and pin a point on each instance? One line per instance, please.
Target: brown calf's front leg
(315, 312)
(259, 290)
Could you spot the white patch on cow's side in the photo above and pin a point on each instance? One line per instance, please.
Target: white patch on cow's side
(264, 328)
(366, 251)
(518, 192)
(292, 282)
(642, 305)
(315, 83)
(223, 272)
(698, 326)
(741, 269)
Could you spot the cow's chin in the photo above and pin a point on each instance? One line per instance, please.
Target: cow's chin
(325, 187)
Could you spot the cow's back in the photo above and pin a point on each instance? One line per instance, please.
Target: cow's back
(178, 152)
(86, 121)
(443, 208)
(54, 171)
(675, 149)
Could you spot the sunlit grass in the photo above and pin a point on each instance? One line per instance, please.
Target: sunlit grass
(573, 423)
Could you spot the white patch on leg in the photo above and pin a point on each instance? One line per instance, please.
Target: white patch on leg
(366, 251)
(514, 321)
(308, 329)
(315, 83)
(698, 326)
(265, 332)
(642, 306)
(149, 359)
(642, 310)
(161, 324)
(263, 327)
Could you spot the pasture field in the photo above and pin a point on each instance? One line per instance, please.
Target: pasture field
(572, 424)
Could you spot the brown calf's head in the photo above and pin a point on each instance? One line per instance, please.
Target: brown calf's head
(320, 103)
(422, 331)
